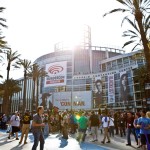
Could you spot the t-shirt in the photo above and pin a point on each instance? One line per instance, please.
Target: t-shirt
(105, 121)
(144, 122)
(111, 123)
(26, 119)
(37, 119)
(83, 122)
(15, 121)
(94, 120)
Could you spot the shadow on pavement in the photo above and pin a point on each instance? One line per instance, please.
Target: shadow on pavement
(63, 142)
(17, 147)
(5, 142)
(88, 146)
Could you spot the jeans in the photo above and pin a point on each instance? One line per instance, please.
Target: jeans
(38, 136)
(129, 131)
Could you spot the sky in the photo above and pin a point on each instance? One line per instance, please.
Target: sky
(35, 26)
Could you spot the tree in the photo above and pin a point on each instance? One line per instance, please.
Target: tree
(11, 57)
(36, 73)
(139, 10)
(142, 76)
(26, 64)
(2, 20)
(13, 86)
(3, 43)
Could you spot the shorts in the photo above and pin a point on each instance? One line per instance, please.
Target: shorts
(15, 129)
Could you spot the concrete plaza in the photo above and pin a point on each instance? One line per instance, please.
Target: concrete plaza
(55, 142)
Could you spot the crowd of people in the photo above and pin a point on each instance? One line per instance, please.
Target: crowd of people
(41, 124)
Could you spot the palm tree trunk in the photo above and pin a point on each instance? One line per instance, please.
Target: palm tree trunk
(37, 93)
(8, 70)
(145, 43)
(24, 91)
(5, 107)
(33, 97)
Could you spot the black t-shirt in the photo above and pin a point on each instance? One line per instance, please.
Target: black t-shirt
(94, 120)
(26, 119)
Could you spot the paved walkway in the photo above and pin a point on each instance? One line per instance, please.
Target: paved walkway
(55, 142)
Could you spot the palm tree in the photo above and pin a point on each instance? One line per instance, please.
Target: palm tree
(139, 9)
(11, 57)
(2, 42)
(142, 76)
(26, 64)
(36, 73)
(2, 19)
(40, 74)
(12, 87)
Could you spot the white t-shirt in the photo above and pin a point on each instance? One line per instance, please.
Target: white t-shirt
(105, 123)
(111, 123)
(15, 121)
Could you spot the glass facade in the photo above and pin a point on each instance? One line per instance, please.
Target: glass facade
(86, 66)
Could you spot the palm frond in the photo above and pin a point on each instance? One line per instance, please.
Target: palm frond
(135, 46)
(127, 3)
(132, 24)
(127, 43)
(115, 10)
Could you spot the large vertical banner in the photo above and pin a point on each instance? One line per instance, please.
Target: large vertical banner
(124, 87)
(111, 89)
(57, 74)
(98, 92)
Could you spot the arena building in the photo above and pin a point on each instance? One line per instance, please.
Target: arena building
(86, 77)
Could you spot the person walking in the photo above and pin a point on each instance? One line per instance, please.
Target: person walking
(26, 126)
(64, 124)
(82, 127)
(111, 126)
(105, 122)
(144, 124)
(130, 128)
(137, 129)
(15, 124)
(3, 122)
(94, 123)
(37, 128)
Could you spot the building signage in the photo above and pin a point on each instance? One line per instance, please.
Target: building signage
(111, 89)
(124, 89)
(88, 76)
(56, 74)
(80, 100)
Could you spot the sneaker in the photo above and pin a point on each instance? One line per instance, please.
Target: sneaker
(19, 142)
(128, 144)
(8, 137)
(108, 142)
(92, 141)
(96, 139)
(17, 138)
(102, 142)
